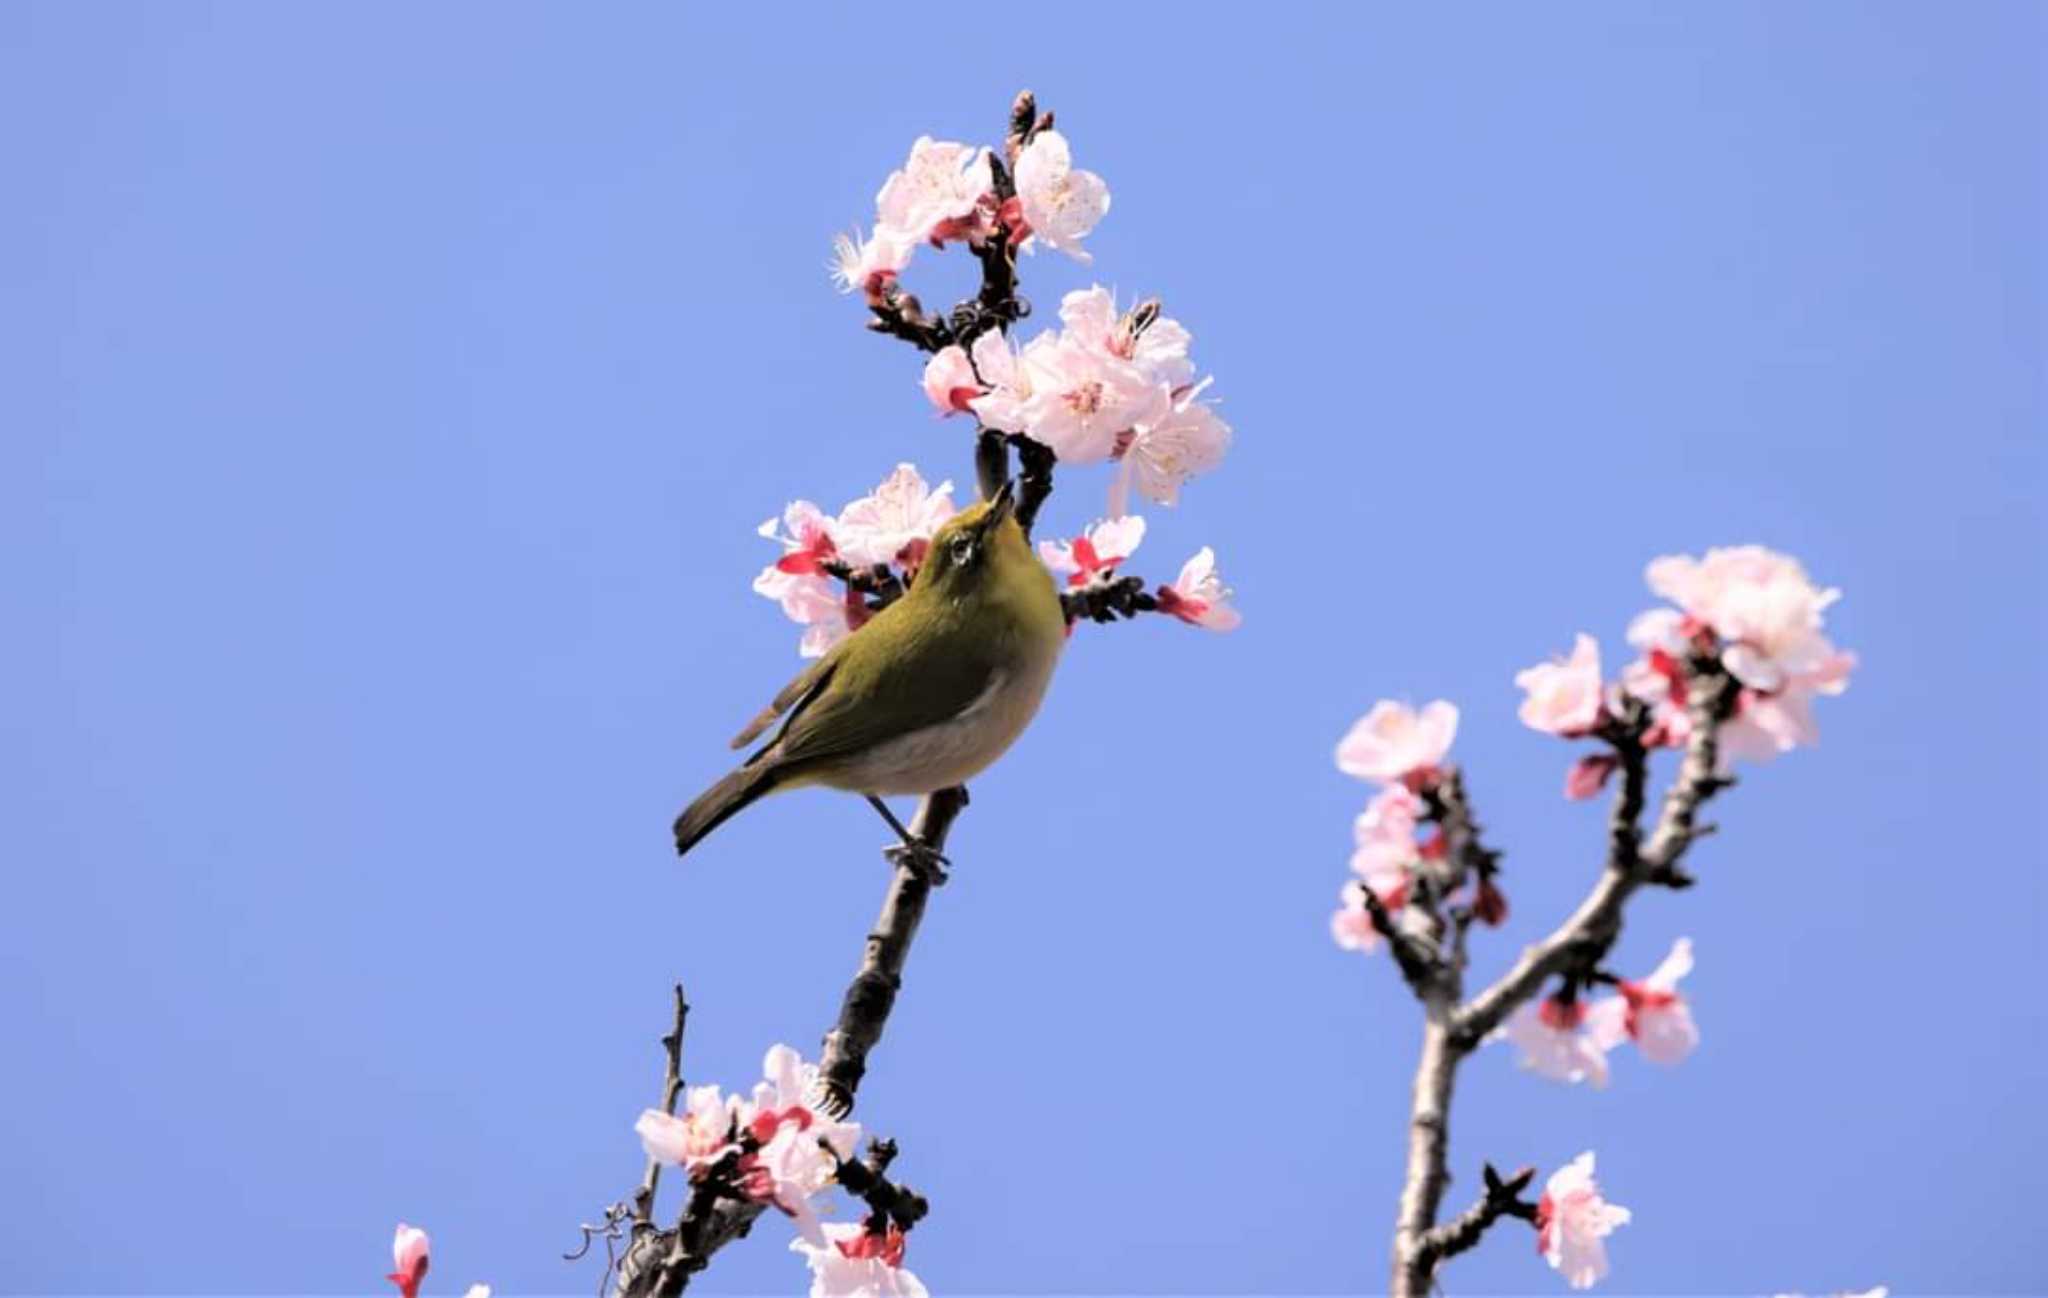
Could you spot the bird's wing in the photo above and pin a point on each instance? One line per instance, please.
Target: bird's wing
(885, 688)
(797, 694)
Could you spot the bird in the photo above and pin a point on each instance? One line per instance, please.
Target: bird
(924, 696)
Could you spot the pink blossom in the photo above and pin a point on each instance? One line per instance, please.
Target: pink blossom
(807, 541)
(1393, 741)
(1589, 775)
(849, 1261)
(1651, 1012)
(1557, 1041)
(1083, 400)
(409, 1257)
(1351, 925)
(1198, 596)
(938, 194)
(1175, 440)
(700, 1134)
(1384, 842)
(1572, 1221)
(1762, 614)
(1159, 352)
(950, 382)
(1008, 379)
(1564, 694)
(869, 265)
(877, 528)
(1058, 204)
(814, 602)
(1092, 557)
(791, 1164)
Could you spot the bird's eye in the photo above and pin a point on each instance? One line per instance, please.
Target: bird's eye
(962, 549)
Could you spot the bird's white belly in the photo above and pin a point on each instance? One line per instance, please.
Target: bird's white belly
(951, 752)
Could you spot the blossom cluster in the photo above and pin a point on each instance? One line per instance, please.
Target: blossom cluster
(1567, 1039)
(1753, 610)
(890, 528)
(1106, 385)
(779, 1149)
(946, 192)
(1401, 749)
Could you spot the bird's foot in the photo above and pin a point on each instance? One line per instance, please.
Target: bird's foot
(920, 858)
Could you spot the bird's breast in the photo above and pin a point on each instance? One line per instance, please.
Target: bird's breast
(952, 751)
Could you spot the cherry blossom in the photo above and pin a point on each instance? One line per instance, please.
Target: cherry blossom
(1198, 596)
(409, 1258)
(1572, 1220)
(700, 1134)
(938, 194)
(852, 1262)
(1008, 379)
(1057, 203)
(1558, 1041)
(1564, 696)
(869, 265)
(1091, 558)
(879, 528)
(1185, 438)
(477, 1291)
(1395, 742)
(816, 603)
(1651, 1012)
(1351, 925)
(950, 382)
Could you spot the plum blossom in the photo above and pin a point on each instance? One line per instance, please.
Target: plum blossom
(1198, 596)
(1155, 345)
(1384, 838)
(1185, 438)
(791, 1164)
(851, 1261)
(775, 1128)
(698, 1136)
(1572, 1221)
(1091, 558)
(1056, 203)
(409, 1257)
(1084, 400)
(888, 525)
(1558, 1041)
(477, 1291)
(1395, 742)
(950, 382)
(1651, 1012)
(805, 536)
(938, 194)
(1564, 694)
(1762, 614)
(1587, 776)
(869, 265)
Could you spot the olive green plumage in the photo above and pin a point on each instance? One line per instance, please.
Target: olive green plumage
(928, 693)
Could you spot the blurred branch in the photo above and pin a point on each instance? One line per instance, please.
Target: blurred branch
(1573, 951)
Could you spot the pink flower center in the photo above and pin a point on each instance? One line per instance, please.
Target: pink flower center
(1561, 1016)
(1086, 399)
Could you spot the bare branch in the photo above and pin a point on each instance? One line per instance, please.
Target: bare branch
(872, 993)
(671, 1090)
(1503, 1198)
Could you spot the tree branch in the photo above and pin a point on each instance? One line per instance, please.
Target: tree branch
(1503, 1198)
(1574, 949)
(671, 1090)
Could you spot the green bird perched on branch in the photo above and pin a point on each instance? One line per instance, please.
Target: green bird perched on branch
(924, 696)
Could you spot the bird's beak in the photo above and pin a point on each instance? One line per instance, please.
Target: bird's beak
(1003, 503)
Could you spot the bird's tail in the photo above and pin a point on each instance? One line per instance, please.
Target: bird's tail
(722, 801)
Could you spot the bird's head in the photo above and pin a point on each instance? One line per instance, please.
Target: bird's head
(981, 543)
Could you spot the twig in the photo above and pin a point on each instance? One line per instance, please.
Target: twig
(671, 1090)
(1574, 950)
(1503, 1198)
(872, 993)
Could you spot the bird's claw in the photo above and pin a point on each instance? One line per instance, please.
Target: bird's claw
(920, 858)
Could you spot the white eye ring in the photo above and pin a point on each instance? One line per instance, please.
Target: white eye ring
(963, 549)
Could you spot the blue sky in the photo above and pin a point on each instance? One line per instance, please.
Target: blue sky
(389, 394)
